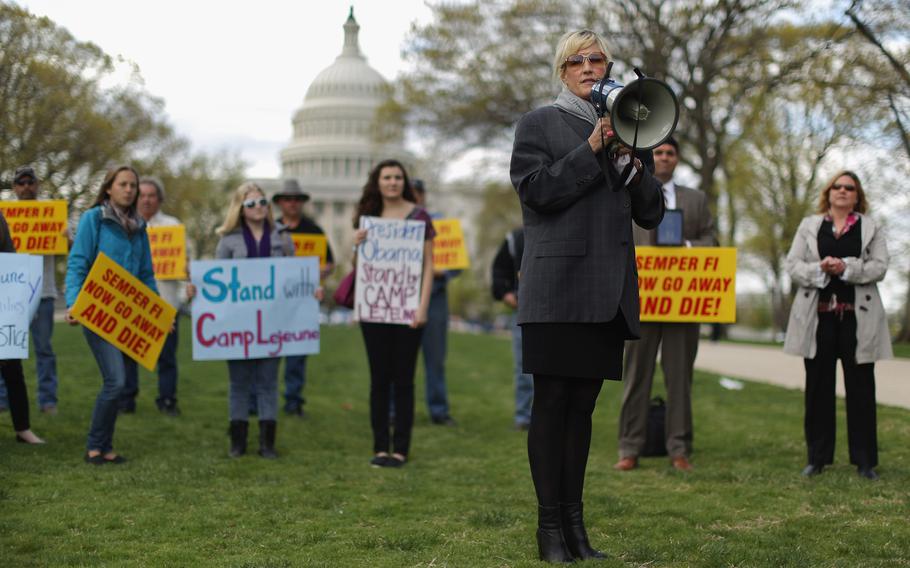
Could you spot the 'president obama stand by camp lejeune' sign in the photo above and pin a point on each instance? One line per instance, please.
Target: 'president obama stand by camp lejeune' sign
(389, 270)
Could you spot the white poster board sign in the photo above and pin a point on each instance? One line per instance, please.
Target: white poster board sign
(389, 267)
(21, 277)
(255, 308)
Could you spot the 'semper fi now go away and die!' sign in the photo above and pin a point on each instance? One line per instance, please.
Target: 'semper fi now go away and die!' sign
(124, 312)
(682, 284)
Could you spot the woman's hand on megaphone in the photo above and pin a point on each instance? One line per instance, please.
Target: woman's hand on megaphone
(603, 133)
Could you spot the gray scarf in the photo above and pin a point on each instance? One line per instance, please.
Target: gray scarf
(576, 106)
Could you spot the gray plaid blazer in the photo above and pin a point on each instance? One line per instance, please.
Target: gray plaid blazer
(579, 256)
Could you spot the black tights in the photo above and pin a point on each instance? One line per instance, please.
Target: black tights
(392, 354)
(560, 436)
(17, 394)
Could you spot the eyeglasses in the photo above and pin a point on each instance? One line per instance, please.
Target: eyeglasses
(579, 59)
(250, 203)
(847, 186)
(25, 182)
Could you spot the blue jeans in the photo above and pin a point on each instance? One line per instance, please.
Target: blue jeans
(111, 363)
(41, 329)
(524, 383)
(294, 381)
(167, 374)
(434, 351)
(259, 376)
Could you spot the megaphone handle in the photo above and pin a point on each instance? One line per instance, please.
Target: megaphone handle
(626, 171)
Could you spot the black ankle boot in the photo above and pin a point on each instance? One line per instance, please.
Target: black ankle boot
(238, 431)
(573, 529)
(267, 439)
(550, 543)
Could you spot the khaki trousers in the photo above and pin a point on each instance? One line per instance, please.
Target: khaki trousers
(678, 344)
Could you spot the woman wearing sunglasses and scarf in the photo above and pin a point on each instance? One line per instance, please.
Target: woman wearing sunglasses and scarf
(249, 231)
(837, 258)
(578, 299)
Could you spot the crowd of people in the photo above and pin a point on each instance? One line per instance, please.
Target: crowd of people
(569, 275)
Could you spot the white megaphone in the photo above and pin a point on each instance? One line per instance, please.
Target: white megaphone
(644, 113)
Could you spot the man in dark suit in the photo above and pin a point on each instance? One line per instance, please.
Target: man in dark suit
(678, 342)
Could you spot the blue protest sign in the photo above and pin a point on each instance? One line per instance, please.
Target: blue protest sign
(255, 308)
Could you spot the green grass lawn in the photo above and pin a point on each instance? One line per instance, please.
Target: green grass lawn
(465, 499)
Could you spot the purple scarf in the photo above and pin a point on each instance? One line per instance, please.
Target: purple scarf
(265, 244)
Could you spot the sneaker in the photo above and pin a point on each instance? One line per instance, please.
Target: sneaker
(521, 426)
(49, 409)
(294, 411)
(443, 420)
(168, 406)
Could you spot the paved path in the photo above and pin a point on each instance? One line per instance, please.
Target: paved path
(771, 365)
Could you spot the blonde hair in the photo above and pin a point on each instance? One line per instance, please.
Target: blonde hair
(235, 209)
(570, 43)
(861, 204)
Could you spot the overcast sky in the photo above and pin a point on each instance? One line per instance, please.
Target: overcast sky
(232, 73)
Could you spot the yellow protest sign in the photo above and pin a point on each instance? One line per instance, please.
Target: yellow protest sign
(306, 244)
(681, 284)
(37, 227)
(123, 311)
(168, 246)
(449, 250)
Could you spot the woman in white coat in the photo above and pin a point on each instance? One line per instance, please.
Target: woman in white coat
(837, 257)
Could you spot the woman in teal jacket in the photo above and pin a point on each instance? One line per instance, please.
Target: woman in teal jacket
(113, 227)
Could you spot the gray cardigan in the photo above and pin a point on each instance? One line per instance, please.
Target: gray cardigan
(232, 244)
(579, 257)
(873, 340)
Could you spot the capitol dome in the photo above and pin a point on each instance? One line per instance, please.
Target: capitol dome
(336, 139)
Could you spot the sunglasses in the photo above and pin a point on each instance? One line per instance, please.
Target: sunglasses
(847, 186)
(250, 203)
(579, 59)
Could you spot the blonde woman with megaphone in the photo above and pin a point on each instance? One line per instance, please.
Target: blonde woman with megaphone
(578, 299)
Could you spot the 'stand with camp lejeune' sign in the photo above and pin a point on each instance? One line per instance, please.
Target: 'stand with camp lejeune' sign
(255, 308)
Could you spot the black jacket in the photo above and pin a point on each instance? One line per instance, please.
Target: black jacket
(507, 264)
(6, 240)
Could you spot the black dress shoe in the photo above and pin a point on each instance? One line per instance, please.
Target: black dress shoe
(813, 469)
(867, 472)
(379, 461)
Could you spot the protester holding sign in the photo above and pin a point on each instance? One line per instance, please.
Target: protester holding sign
(249, 231)
(676, 342)
(578, 299)
(151, 196)
(838, 257)
(435, 336)
(11, 370)
(392, 348)
(113, 227)
(290, 201)
(25, 186)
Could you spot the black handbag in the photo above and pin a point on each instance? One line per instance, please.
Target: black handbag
(656, 436)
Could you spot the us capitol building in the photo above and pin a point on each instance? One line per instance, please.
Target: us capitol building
(336, 140)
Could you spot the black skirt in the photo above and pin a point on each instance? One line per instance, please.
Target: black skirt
(583, 350)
